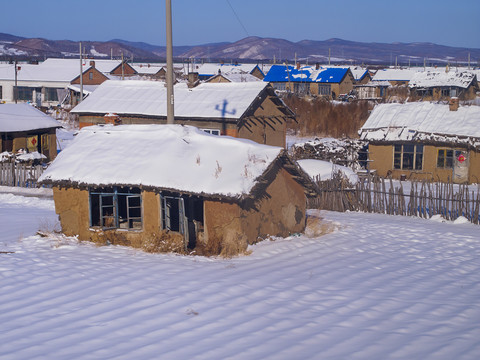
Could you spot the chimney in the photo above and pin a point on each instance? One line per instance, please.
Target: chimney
(192, 80)
(298, 66)
(92, 63)
(317, 66)
(453, 104)
(112, 118)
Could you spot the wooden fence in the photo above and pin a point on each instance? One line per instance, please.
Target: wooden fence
(19, 174)
(378, 195)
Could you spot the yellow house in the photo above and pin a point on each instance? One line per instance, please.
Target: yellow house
(248, 110)
(423, 140)
(176, 188)
(24, 127)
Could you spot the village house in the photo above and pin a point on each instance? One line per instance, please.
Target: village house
(232, 77)
(50, 82)
(328, 82)
(373, 90)
(174, 187)
(208, 70)
(396, 76)
(249, 110)
(422, 140)
(434, 85)
(24, 127)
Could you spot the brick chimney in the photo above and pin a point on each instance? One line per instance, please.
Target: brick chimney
(317, 66)
(112, 118)
(298, 66)
(92, 63)
(192, 79)
(453, 104)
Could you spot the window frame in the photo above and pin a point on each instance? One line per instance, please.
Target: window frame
(446, 159)
(404, 154)
(112, 208)
(212, 131)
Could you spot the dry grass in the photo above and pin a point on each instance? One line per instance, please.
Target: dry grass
(163, 243)
(317, 226)
(318, 117)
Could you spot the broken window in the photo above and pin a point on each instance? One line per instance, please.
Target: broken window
(408, 157)
(183, 214)
(116, 207)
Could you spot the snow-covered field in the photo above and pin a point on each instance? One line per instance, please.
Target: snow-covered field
(376, 287)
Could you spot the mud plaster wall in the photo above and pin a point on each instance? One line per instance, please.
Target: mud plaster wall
(382, 156)
(280, 212)
(72, 206)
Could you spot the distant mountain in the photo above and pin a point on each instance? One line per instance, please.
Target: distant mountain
(249, 49)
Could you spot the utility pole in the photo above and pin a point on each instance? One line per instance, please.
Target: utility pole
(328, 56)
(169, 74)
(15, 91)
(81, 75)
(123, 71)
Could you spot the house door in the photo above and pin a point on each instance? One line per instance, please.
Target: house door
(174, 216)
(460, 166)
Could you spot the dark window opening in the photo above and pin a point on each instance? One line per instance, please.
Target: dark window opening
(183, 214)
(116, 207)
(408, 157)
(445, 159)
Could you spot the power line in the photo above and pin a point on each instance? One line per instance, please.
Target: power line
(238, 18)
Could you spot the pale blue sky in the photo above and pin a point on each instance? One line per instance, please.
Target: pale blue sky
(453, 23)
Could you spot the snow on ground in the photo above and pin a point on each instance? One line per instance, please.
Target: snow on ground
(377, 287)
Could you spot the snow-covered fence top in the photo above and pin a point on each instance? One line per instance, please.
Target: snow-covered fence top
(173, 157)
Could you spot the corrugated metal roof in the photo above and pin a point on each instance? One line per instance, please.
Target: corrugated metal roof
(284, 73)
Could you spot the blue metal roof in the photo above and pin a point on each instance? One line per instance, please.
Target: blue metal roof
(331, 75)
(284, 73)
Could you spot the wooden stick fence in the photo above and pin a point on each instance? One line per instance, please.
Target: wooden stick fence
(378, 195)
(18, 174)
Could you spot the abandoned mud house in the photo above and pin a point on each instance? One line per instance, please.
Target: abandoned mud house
(423, 140)
(433, 85)
(176, 182)
(328, 82)
(24, 127)
(249, 110)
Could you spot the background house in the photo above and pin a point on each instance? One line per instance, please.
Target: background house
(249, 110)
(425, 141)
(24, 127)
(328, 82)
(138, 184)
(443, 84)
(208, 70)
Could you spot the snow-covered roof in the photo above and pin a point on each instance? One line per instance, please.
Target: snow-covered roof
(395, 74)
(58, 70)
(236, 77)
(212, 69)
(358, 72)
(147, 69)
(175, 157)
(24, 117)
(423, 121)
(212, 100)
(87, 89)
(426, 79)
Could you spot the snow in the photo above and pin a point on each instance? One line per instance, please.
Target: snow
(423, 120)
(24, 117)
(212, 100)
(162, 156)
(374, 287)
(325, 169)
(426, 79)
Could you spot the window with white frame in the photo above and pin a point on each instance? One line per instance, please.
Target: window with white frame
(212, 131)
(408, 157)
(116, 208)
